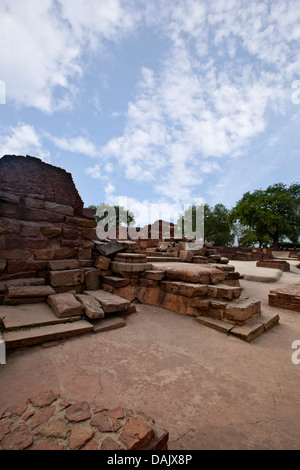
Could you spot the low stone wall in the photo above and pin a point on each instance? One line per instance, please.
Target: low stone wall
(275, 264)
(49, 422)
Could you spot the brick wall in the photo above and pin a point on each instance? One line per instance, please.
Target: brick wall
(41, 218)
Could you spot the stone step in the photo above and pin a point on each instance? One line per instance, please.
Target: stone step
(224, 292)
(165, 259)
(247, 332)
(109, 323)
(187, 289)
(110, 303)
(242, 311)
(29, 315)
(119, 267)
(27, 294)
(115, 281)
(39, 335)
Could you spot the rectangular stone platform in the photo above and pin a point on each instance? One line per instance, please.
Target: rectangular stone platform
(38, 335)
(286, 297)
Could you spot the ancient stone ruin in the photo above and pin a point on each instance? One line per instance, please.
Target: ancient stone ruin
(58, 279)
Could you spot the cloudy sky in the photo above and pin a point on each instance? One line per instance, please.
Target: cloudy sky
(159, 102)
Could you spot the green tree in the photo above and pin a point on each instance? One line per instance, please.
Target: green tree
(113, 216)
(216, 226)
(271, 214)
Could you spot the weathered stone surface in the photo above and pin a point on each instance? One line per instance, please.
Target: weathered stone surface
(101, 422)
(222, 291)
(110, 302)
(102, 262)
(109, 323)
(34, 203)
(71, 233)
(2, 264)
(92, 307)
(43, 399)
(79, 411)
(92, 280)
(242, 311)
(248, 332)
(186, 256)
(44, 254)
(38, 215)
(115, 281)
(48, 445)
(130, 258)
(110, 444)
(67, 277)
(62, 264)
(64, 253)
(14, 254)
(30, 229)
(59, 208)
(9, 197)
(42, 416)
(9, 226)
(80, 222)
(15, 292)
(16, 339)
(184, 288)
(119, 267)
(215, 323)
(88, 213)
(51, 232)
(79, 437)
(19, 408)
(109, 249)
(136, 434)
(55, 427)
(88, 233)
(154, 275)
(64, 305)
(18, 439)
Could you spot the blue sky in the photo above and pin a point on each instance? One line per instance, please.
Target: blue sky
(165, 103)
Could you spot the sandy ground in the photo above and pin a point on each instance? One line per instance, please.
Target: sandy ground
(211, 391)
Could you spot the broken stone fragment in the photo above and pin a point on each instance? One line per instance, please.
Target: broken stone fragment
(92, 307)
(65, 305)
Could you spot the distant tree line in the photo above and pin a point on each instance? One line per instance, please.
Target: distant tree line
(269, 217)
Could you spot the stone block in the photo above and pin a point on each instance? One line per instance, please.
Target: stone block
(69, 277)
(63, 264)
(71, 233)
(186, 256)
(34, 203)
(51, 232)
(154, 275)
(129, 267)
(65, 253)
(110, 302)
(91, 306)
(115, 281)
(109, 249)
(59, 208)
(9, 226)
(80, 222)
(9, 197)
(30, 229)
(2, 264)
(44, 254)
(65, 305)
(15, 292)
(40, 215)
(9, 210)
(242, 311)
(102, 262)
(88, 233)
(88, 213)
(14, 254)
(92, 279)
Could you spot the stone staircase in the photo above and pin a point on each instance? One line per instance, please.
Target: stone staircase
(210, 293)
(34, 314)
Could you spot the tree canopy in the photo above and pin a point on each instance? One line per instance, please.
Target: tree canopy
(271, 215)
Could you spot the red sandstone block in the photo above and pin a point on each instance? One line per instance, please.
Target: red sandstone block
(41, 215)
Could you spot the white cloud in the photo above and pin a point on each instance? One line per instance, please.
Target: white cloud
(79, 145)
(22, 140)
(42, 43)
